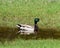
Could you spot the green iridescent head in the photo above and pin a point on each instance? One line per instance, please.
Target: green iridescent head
(36, 20)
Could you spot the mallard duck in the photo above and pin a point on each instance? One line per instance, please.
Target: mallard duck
(27, 29)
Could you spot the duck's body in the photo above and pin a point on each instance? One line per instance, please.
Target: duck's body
(27, 29)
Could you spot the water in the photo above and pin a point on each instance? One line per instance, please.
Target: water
(10, 34)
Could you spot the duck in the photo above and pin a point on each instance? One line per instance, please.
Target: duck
(28, 29)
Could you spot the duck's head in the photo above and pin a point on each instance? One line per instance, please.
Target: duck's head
(36, 20)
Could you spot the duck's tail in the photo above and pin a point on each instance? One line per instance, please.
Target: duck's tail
(18, 25)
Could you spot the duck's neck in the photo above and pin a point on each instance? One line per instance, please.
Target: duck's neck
(35, 28)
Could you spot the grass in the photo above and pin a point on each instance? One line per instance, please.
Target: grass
(19, 43)
(13, 12)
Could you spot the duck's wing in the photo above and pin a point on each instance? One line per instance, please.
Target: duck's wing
(27, 30)
(24, 25)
